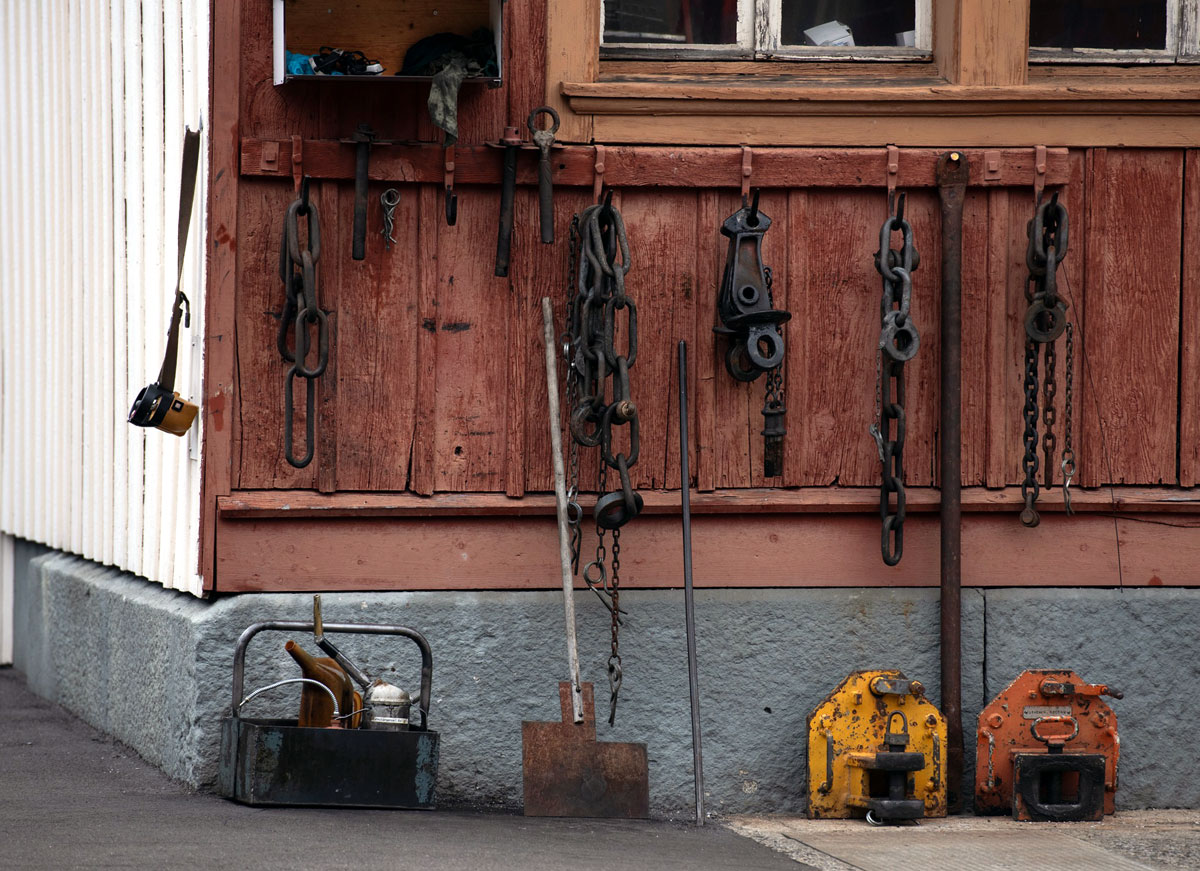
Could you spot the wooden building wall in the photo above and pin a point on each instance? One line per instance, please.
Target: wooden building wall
(431, 429)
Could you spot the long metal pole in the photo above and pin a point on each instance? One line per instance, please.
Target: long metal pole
(689, 604)
(560, 501)
(952, 176)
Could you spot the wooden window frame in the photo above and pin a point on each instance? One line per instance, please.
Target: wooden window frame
(979, 89)
(758, 39)
(1182, 44)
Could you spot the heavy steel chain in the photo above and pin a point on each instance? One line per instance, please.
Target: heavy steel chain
(301, 312)
(1067, 465)
(1045, 321)
(898, 343)
(599, 395)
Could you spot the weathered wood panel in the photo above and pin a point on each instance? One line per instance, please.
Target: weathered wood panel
(1131, 334)
(1189, 361)
(376, 350)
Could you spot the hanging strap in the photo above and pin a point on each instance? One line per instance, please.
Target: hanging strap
(187, 193)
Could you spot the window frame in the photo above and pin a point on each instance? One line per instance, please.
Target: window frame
(759, 25)
(1182, 44)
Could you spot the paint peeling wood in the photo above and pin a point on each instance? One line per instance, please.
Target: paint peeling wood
(796, 337)
(701, 352)
(748, 550)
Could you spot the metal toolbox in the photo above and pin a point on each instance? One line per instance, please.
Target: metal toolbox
(275, 762)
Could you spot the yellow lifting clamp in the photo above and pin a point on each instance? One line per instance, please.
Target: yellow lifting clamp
(877, 745)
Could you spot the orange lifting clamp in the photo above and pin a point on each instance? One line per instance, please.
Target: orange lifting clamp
(876, 744)
(1048, 749)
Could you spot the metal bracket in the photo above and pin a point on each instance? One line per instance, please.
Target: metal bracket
(991, 166)
(448, 184)
(1039, 173)
(747, 170)
(893, 175)
(297, 162)
(598, 178)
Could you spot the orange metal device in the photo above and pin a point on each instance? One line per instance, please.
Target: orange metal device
(1048, 749)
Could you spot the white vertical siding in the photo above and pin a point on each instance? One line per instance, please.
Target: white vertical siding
(90, 150)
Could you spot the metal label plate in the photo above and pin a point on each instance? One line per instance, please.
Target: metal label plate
(1033, 712)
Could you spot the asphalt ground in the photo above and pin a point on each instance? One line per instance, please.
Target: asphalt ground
(71, 797)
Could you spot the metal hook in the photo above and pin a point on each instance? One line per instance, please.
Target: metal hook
(303, 196)
(752, 219)
(451, 207)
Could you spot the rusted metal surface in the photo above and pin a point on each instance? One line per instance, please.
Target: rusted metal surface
(1048, 749)
(568, 773)
(952, 175)
(876, 744)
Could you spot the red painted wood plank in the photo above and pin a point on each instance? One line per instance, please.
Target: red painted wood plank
(702, 351)
(525, 58)
(750, 550)
(221, 399)
(796, 336)
(429, 211)
(976, 440)
(471, 369)
(998, 346)
(733, 403)
(261, 371)
(335, 234)
(1133, 306)
(631, 165)
(377, 337)
(276, 504)
(1189, 363)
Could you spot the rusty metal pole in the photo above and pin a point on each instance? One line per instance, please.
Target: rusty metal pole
(952, 175)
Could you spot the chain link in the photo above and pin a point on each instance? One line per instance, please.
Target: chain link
(301, 311)
(1029, 462)
(898, 343)
(1049, 413)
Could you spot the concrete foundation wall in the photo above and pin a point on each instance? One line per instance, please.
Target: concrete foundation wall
(153, 668)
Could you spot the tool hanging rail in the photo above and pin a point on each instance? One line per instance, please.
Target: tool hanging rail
(643, 166)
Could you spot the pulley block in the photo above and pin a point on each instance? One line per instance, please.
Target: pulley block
(877, 748)
(1048, 749)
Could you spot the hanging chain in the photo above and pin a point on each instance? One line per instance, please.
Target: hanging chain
(1049, 413)
(614, 658)
(1045, 321)
(301, 310)
(1029, 462)
(1067, 466)
(898, 343)
(599, 396)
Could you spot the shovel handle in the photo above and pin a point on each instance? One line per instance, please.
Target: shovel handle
(560, 501)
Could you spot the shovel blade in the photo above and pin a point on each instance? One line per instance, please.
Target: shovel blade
(568, 773)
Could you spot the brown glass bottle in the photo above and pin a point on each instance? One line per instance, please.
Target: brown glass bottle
(316, 708)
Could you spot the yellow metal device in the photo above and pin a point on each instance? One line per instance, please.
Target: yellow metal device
(877, 747)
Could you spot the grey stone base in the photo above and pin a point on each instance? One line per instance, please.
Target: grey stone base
(153, 668)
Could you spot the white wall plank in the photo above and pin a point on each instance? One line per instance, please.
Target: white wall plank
(88, 281)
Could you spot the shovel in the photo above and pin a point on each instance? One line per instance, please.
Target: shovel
(567, 772)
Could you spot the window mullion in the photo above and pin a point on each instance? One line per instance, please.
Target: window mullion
(768, 25)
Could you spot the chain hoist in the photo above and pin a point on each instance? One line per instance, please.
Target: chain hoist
(599, 261)
(301, 312)
(899, 341)
(745, 305)
(1045, 321)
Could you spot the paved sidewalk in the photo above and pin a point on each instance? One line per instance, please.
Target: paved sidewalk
(70, 797)
(1157, 840)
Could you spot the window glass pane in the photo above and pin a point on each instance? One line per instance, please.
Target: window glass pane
(1140, 24)
(705, 22)
(864, 22)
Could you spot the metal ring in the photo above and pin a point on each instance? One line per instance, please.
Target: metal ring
(601, 580)
(1054, 719)
(738, 365)
(543, 110)
(765, 361)
(872, 820)
(1057, 316)
(611, 512)
(390, 198)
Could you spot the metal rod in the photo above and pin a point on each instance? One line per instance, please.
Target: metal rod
(689, 605)
(952, 175)
(560, 501)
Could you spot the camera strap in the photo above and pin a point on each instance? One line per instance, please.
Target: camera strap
(181, 309)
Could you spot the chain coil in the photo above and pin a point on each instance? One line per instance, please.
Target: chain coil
(301, 314)
(1045, 321)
